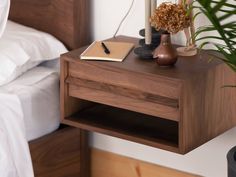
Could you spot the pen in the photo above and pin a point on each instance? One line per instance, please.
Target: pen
(106, 50)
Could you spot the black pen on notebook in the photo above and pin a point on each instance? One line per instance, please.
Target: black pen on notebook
(106, 50)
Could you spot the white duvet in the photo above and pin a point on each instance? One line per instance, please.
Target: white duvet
(4, 11)
(15, 158)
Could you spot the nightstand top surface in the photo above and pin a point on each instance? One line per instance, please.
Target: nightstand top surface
(183, 69)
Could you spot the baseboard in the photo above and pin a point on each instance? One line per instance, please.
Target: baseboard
(106, 164)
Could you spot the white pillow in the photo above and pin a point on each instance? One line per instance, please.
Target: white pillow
(22, 48)
(4, 11)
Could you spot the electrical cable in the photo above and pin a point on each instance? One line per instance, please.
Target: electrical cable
(124, 18)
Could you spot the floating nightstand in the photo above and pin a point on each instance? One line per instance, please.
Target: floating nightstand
(176, 109)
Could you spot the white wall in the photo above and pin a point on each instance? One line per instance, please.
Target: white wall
(107, 15)
(208, 160)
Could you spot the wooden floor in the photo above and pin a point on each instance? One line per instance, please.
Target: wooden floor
(59, 155)
(105, 164)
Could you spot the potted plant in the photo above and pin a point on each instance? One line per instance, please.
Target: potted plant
(219, 14)
(226, 44)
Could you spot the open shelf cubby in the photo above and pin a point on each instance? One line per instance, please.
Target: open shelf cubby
(126, 124)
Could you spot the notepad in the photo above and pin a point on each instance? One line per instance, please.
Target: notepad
(118, 51)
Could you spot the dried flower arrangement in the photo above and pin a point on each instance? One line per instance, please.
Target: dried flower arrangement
(170, 17)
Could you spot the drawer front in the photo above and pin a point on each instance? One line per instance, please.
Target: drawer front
(126, 98)
(161, 86)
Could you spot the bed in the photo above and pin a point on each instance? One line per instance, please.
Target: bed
(58, 153)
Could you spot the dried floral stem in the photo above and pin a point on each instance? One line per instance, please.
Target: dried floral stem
(171, 18)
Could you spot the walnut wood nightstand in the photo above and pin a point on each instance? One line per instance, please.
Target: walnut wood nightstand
(176, 109)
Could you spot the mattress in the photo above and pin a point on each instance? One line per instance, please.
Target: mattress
(38, 92)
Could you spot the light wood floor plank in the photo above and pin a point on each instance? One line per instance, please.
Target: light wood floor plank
(105, 164)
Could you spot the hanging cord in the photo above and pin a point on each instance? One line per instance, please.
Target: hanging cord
(124, 18)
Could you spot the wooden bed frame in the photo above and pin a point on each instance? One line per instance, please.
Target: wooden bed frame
(68, 20)
(58, 154)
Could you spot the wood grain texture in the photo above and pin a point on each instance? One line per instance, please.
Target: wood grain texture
(184, 68)
(105, 164)
(123, 91)
(67, 109)
(106, 72)
(141, 128)
(67, 20)
(207, 109)
(68, 105)
(189, 94)
(126, 82)
(60, 154)
(85, 154)
(125, 102)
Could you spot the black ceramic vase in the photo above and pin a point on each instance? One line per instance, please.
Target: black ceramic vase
(231, 157)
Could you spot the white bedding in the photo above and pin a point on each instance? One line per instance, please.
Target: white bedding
(22, 48)
(38, 93)
(29, 109)
(29, 105)
(4, 11)
(15, 159)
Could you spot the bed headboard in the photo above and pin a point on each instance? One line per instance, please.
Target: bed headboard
(68, 20)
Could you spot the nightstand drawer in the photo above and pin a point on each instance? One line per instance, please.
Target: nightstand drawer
(127, 98)
(162, 86)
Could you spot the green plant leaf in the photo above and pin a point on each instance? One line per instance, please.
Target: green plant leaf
(227, 15)
(196, 15)
(225, 4)
(218, 6)
(218, 12)
(210, 37)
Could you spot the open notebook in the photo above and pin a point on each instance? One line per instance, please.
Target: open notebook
(118, 51)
